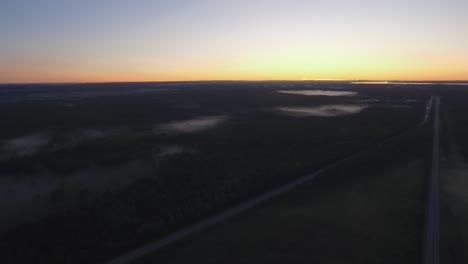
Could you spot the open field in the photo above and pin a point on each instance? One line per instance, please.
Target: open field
(354, 217)
(104, 168)
(454, 180)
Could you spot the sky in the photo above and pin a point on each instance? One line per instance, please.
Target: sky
(177, 40)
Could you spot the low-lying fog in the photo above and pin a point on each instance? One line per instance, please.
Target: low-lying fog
(31, 144)
(172, 150)
(39, 194)
(26, 145)
(191, 125)
(27, 198)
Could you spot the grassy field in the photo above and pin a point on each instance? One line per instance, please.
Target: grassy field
(350, 216)
(454, 181)
(454, 211)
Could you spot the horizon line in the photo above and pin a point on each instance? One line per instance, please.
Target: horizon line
(195, 81)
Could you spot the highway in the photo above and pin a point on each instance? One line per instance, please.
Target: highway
(185, 232)
(432, 247)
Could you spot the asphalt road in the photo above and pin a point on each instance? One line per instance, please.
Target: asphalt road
(432, 247)
(185, 232)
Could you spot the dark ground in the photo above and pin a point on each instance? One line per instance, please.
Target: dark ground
(360, 213)
(102, 180)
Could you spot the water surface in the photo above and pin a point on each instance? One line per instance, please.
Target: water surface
(319, 92)
(322, 111)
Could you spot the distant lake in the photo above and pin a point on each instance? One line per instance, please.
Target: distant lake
(322, 111)
(319, 92)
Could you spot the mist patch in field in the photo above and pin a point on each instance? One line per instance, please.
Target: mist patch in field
(322, 111)
(196, 124)
(319, 92)
(25, 146)
(84, 135)
(455, 183)
(171, 150)
(28, 198)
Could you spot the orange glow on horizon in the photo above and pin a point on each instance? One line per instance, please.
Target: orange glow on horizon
(228, 77)
(277, 67)
(84, 77)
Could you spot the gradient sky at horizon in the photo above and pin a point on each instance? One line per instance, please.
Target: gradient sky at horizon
(143, 40)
